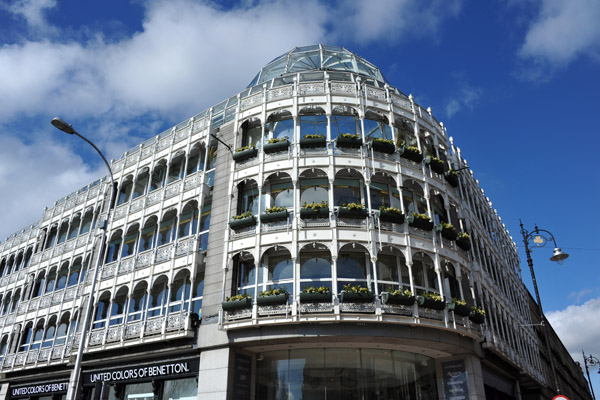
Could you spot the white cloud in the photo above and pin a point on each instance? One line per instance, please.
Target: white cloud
(467, 96)
(33, 11)
(563, 31)
(578, 327)
(578, 296)
(31, 183)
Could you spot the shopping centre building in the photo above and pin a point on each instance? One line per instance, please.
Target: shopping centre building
(316, 236)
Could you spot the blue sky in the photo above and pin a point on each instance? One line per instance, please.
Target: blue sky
(516, 83)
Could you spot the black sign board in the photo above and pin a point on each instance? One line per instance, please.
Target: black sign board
(456, 385)
(38, 389)
(144, 372)
(242, 377)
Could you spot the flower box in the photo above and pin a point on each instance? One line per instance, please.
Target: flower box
(351, 297)
(313, 142)
(273, 299)
(464, 243)
(315, 297)
(389, 298)
(348, 142)
(430, 303)
(459, 309)
(412, 154)
(246, 154)
(322, 212)
(436, 164)
(452, 178)
(232, 305)
(357, 213)
(276, 146)
(417, 221)
(237, 224)
(391, 216)
(476, 317)
(448, 232)
(383, 147)
(274, 216)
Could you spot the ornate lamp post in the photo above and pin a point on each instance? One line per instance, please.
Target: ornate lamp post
(590, 361)
(540, 237)
(75, 374)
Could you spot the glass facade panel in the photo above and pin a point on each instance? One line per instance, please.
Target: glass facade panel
(180, 389)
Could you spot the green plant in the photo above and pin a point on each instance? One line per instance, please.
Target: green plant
(349, 136)
(432, 296)
(421, 216)
(315, 206)
(273, 292)
(451, 171)
(355, 289)
(464, 235)
(250, 146)
(404, 292)
(275, 209)
(459, 302)
(478, 310)
(447, 225)
(237, 297)
(393, 210)
(413, 149)
(312, 289)
(243, 215)
(314, 136)
(354, 206)
(277, 140)
(381, 140)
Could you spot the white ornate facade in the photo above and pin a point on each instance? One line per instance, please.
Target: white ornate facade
(171, 253)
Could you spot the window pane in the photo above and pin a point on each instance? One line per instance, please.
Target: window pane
(180, 389)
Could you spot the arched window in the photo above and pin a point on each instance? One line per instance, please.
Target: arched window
(101, 311)
(245, 274)
(158, 176)
(465, 283)
(26, 336)
(315, 266)
(188, 220)
(176, 168)
(313, 121)
(278, 190)
(344, 120)
(195, 161)
(392, 272)
(166, 232)
(252, 133)
(247, 197)
(314, 186)
(424, 275)
(3, 346)
(148, 236)
(278, 270)
(353, 266)
(61, 281)
(51, 237)
(15, 301)
(141, 183)
(180, 292)
(62, 330)
(84, 269)
(74, 227)
(158, 297)
(406, 133)
(348, 187)
(114, 246)
(439, 211)
(280, 126)
(49, 334)
(198, 291)
(413, 198)
(137, 303)
(62, 232)
(38, 288)
(2, 266)
(125, 191)
(50, 280)
(384, 192)
(130, 242)
(18, 262)
(6, 303)
(118, 306)
(38, 336)
(377, 126)
(451, 284)
(74, 273)
(86, 223)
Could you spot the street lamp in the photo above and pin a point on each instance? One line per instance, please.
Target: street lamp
(540, 237)
(74, 379)
(590, 361)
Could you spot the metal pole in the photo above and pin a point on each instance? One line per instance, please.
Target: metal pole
(75, 375)
(587, 371)
(542, 316)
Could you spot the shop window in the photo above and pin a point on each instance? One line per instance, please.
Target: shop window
(137, 391)
(180, 389)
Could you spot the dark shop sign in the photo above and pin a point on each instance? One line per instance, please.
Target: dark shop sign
(39, 389)
(456, 386)
(143, 372)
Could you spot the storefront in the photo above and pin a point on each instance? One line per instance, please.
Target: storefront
(175, 379)
(51, 390)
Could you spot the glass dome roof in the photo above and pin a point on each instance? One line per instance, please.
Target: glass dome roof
(317, 57)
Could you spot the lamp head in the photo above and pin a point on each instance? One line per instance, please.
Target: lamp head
(559, 256)
(63, 126)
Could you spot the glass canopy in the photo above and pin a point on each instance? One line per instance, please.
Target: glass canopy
(317, 57)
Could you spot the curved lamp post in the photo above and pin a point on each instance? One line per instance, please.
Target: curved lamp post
(74, 379)
(590, 361)
(540, 237)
